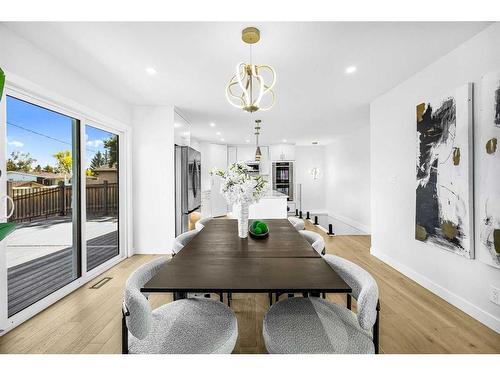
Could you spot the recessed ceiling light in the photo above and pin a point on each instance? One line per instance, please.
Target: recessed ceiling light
(350, 69)
(217, 133)
(247, 140)
(222, 139)
(150, 70)
(284, 140)
(177, 125)
(212, 124)
(186, 133)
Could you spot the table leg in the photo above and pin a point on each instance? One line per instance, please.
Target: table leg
(179, 295)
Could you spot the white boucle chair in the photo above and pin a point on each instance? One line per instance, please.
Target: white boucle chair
(179, 242)
(297, 223)
(315, 240)
(200, 224)
(182, 240)
(192, 325)
(314, 325)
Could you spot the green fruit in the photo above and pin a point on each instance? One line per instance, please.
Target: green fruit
(263, 227)
(255, 223)
(257, 230)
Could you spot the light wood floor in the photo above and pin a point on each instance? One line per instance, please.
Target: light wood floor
(413, 320)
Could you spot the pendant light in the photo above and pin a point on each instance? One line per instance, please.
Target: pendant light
(258, 154)
(247, 87)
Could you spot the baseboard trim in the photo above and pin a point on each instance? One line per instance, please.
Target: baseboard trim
(477, 313)
(352, 223)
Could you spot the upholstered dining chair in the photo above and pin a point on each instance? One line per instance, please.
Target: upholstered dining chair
(192, 325)
(315, 240)
(182, 240)
(314, 325)
(297, 223)
(179, 242)
(200, 224)
(317, 243)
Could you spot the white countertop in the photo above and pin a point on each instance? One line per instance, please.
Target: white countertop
(274, 194)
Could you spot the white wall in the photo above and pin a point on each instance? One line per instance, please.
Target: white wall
(313, 191)
(347, 178)
(463, 282)
(153, 179)
(25, 60)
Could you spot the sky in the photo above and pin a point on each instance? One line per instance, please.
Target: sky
(42, 133)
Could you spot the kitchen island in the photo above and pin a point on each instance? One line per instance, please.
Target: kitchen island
(273, 205)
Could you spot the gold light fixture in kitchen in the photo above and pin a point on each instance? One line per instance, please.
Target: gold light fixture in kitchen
(247, 87)
(258, 154)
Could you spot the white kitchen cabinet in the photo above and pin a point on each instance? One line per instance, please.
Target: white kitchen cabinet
(282, 151)
(246, 153)
(212, 156)
(218, 159)
(232, 152)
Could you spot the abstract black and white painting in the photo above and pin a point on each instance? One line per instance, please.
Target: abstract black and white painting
(489, 167)
(444, 189)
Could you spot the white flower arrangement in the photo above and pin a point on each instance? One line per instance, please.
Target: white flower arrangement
(238, 187)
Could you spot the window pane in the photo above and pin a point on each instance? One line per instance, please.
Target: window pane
(102, 189)
(43, 252)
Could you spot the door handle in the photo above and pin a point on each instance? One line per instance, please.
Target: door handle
(8, 198)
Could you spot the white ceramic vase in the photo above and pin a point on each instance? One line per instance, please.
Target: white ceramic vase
(243, 220)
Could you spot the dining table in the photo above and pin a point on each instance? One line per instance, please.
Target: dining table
(217, 260)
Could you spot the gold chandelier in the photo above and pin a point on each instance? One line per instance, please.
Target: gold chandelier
(247, 87)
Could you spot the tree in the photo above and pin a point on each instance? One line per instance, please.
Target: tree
(20, 161)
(111, 146)
(64, 163)
(38, 168)
(96, 162)
(48, 169)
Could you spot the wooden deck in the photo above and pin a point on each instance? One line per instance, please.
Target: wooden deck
(33, 280)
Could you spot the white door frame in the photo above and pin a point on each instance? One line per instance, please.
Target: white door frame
(25, 90)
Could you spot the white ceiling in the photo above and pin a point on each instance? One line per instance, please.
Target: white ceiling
(316, 99)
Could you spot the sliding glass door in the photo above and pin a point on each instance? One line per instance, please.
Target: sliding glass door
(101, 195)
(43, 254)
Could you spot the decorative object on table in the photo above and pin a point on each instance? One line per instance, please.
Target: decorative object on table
(240, 189)
(248, 86)
(2, 83)
(259, 229)
(489, 162)
(444, 172)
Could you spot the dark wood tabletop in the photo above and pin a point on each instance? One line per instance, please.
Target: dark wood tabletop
(217, 260)
(247, 275)
(220, 239)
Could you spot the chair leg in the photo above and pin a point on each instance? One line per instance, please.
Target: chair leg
(291, 295)
(323, 295)
(270, 299)
(124, 335)
(376, 330)
(349, 301)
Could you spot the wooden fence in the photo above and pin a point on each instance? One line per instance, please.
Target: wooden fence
(37, 203)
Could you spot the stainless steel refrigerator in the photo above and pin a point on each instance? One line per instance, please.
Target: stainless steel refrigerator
(187, 186)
